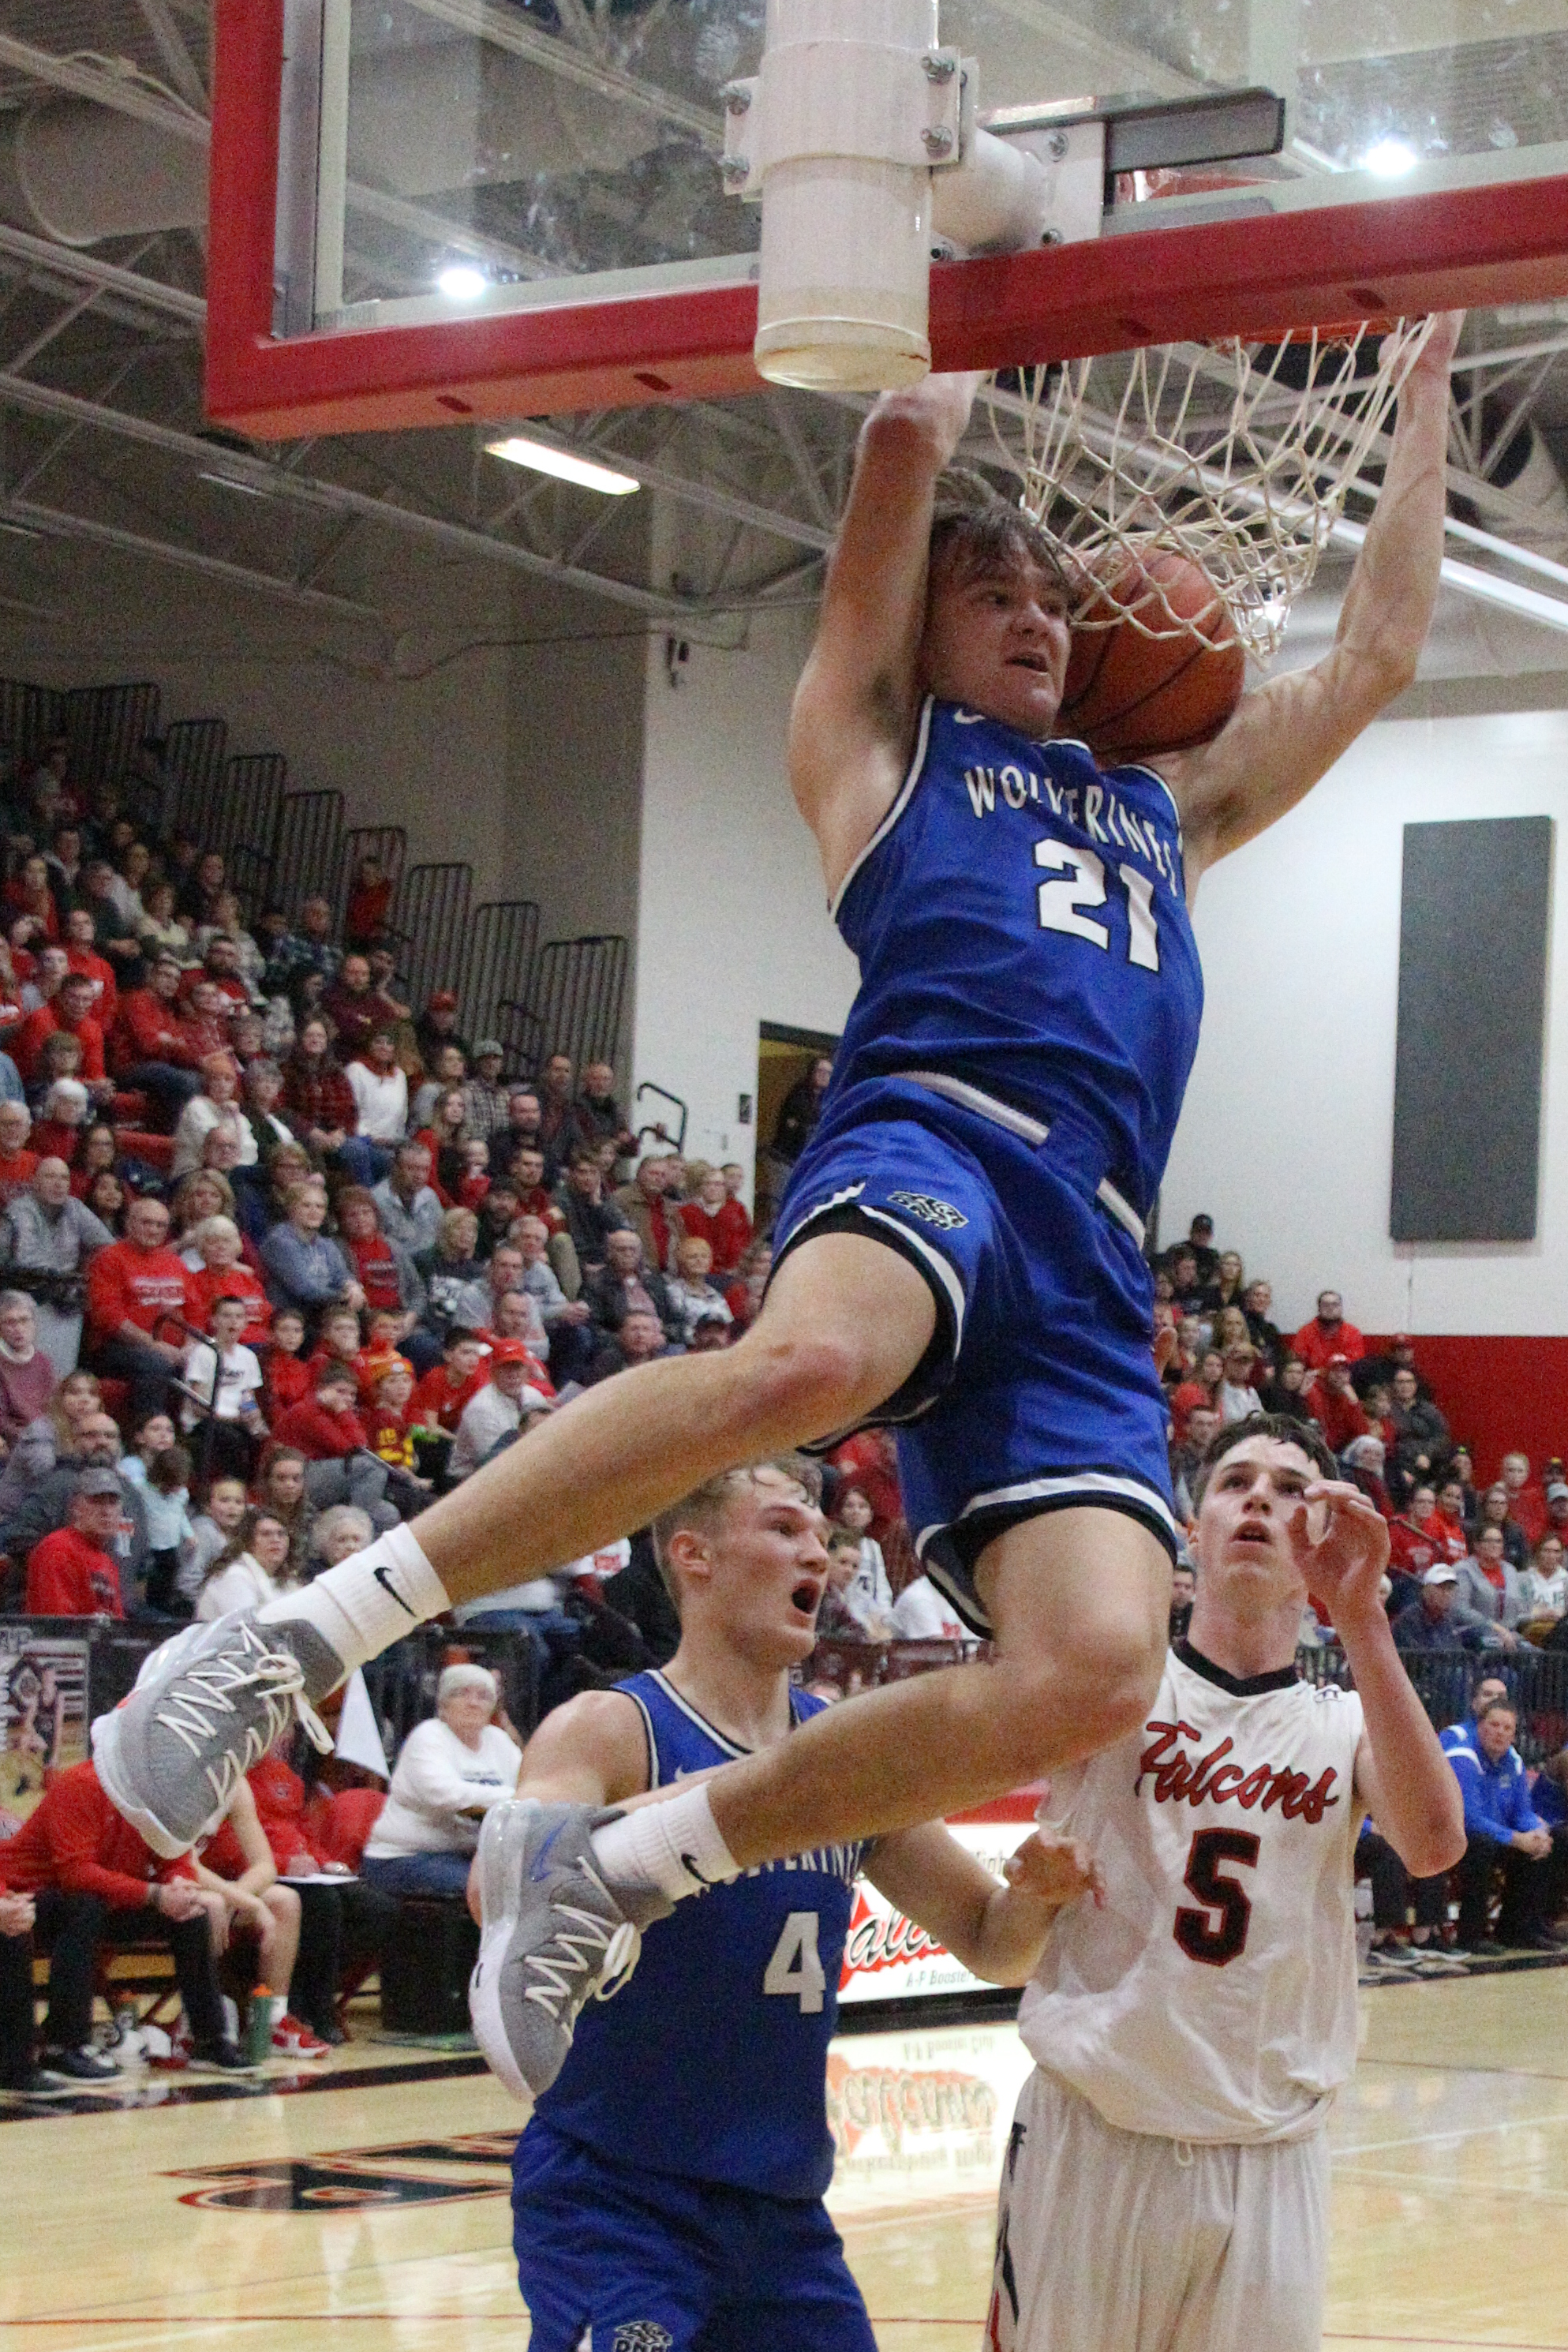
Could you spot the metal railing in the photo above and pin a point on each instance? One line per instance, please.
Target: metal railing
(306, 850)
(104, 725)
(503, 944)
(194, 752)
(431, 927)
(29, 716)
(578, 995)
(387, 843)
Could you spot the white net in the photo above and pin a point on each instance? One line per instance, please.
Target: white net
(1235, 455)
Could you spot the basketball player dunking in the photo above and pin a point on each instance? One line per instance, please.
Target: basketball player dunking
(668, 2191)
(1166, 2180)
(959, 1248)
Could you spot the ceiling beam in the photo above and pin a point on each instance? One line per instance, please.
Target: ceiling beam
(69, 262)
(52, 522)
(267, 476)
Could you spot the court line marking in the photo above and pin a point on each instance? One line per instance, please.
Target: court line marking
(1431, 2139)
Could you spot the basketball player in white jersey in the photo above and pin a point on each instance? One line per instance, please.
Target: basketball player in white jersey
(1166, 2181)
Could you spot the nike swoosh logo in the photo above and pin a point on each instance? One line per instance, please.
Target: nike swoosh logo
(540, 1866)
(688, 1864)
(383, 1577)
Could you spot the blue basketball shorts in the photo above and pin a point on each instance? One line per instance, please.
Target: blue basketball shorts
(1038, 1391)
(612, 2259)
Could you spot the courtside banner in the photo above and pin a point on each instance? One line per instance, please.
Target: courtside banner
(887, 1956)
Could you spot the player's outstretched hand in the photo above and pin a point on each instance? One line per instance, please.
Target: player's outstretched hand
(1341, 1543)
(1055, 1870)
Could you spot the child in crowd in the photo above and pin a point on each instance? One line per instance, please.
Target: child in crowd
(439, 1399)
(225, 1376)
(163, 1471)
(844, 1610)
(213, 1526)
(288, 1374)
(337, 1342)
(474, 1155)
(389, 1420)
(871, 1593)
(380, 1352)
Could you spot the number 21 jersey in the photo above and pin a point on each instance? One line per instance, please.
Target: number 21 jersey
(1213, 1997)
(1020, 921)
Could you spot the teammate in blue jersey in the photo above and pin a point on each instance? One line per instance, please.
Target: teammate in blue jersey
(960, 1246)
(668, 2190)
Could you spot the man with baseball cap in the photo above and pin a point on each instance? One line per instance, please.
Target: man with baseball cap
(438, 1026)
(497, 1409)
(73, 1572)
(1437, 1620)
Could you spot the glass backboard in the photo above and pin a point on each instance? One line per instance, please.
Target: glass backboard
(437, 210)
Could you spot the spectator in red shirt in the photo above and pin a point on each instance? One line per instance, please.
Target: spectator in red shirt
(353, 1007)
(225, 1275)
(870, 1462)
(28, 893)
(16, 1162)
(439, 1399)
(1202, 1388)
(1328, 1334)
(82, 956)
(1446, 1526)
(72, 1573)
(287, 1376)
(151, 1047)
(131, 1287)
(1336, 1408)
(69, 1008)
(95, 1883)
(712, 1217)
(338, 1465)
(1526, 1498)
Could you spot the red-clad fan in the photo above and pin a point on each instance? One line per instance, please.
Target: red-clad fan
(73, 1571)
(439, 1399)
(69, 1008)
(81, 955)
(381, 1272)
(869, 1461)
(324, 1426)
(712, 1217)
(1446, 1527)
(1327, 1335)
(389, 1414)
(16, 1162)
(1335, 1407)
(287, 1373)
(133, 1284)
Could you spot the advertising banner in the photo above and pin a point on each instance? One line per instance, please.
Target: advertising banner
(888, 1958)
(43, 1713)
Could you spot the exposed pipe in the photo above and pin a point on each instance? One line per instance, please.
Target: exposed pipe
(56, 524)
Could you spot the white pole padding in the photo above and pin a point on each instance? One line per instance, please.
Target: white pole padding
(851, 116)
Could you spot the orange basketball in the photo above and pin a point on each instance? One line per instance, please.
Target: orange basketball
(1130, 696)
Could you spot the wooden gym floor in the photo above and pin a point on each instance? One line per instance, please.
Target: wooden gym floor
(371, 2210)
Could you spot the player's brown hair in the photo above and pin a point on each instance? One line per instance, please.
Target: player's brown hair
(1277, 1425)
(705, 1506)
(974, 531)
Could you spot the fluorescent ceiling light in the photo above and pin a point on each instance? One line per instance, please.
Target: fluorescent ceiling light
(461, 282)
(563, 464)
(1390, 159)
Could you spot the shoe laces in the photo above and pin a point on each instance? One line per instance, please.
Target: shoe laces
(203, 1692)
(585, 1951)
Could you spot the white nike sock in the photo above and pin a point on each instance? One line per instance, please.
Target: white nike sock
(367, 1600)
(674, 1846)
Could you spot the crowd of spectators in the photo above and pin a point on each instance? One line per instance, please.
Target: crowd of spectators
(282, 1255)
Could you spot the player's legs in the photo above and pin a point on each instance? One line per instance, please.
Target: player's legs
(1111, 2241)
(788, 2284)
(1080, 1599)
(606, 2256)
(843, 1326)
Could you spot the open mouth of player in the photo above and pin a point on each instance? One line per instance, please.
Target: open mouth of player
(1255, 1531)
(806, 1595)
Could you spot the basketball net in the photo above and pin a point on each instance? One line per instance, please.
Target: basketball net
(1235, 455)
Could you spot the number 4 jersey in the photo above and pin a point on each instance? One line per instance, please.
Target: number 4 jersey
(1213, 1997)
(711, 2060)
(1020, 921)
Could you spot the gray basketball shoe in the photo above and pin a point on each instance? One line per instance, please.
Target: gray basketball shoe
(206, 1707)
(551, 1933)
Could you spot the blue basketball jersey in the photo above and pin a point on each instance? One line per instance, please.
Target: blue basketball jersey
(711, 2061)
(1020, 917)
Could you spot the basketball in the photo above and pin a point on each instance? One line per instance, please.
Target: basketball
(1129, 695)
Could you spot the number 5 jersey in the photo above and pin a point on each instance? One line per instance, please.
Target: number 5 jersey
(1213, 1997)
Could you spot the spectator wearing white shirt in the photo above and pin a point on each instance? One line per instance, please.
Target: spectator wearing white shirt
(380, 1089)
(226, 1377)
(921, 1613)
(868, 1589)
(1543, 1585)
(217, 1105)
(498, 1408)
(249, 1570)
(1237, 1399)
(450, 1771)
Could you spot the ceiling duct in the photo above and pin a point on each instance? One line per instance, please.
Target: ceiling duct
(425, 122)
(1527, 471)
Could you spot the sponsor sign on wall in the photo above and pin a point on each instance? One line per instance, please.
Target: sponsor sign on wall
(888, 1958)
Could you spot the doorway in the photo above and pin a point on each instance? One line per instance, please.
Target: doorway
(784, 1058)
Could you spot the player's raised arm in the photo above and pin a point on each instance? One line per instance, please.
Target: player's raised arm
(1402, 1775)
(1287, 734)
(856, 708)
(998, 1932)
